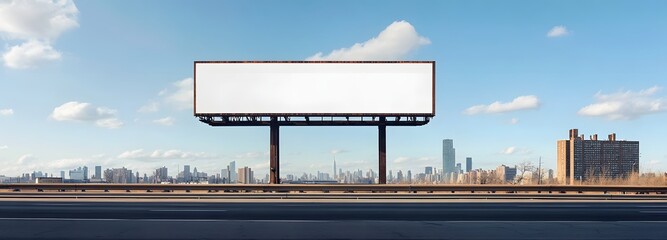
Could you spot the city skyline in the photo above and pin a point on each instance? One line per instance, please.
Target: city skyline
(111, 84)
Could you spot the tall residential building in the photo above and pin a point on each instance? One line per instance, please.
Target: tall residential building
(468, 164)
(448, 156)
(505, 173)
(98, 172)
(118, 175)
(580, 159)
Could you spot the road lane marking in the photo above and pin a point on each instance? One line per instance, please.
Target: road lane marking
(187, 210)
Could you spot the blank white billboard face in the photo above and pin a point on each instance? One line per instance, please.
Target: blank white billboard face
(314, 89)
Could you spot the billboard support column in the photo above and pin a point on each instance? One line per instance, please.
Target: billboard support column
(382, 149)
(274, 162)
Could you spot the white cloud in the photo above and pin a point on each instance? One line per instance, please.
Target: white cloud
(166, 121)
(3, 147)
(403, 159)
(626, 105)
(27, 158)
(86, 112)
(180, 94)
(38, 23)
(514, 121)
(394, 43)
(37, 19)
(509, 150)
(337, 151)
(251, 155)
(6, 112)
(162, 155)
(558, 31)
(150, 107)
(519, 103)
(30, 54)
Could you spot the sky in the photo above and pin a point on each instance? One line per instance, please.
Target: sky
(110, 82)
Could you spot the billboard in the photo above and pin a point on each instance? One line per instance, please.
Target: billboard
(314, 88)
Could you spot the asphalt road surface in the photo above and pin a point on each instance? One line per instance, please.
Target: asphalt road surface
(290, 220)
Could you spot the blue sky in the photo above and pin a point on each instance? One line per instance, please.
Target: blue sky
(107, 82)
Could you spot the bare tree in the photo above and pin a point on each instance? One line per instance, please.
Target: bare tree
(523, 169)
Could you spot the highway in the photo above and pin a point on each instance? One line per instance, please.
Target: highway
(71, 219)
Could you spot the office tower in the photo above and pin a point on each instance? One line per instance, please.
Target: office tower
(458, 168)
(468, 164)
(428, 170)
(580, 159)
(245, 175)
(85, 173)
(448, 156)
(409, 177)
(98, 172)
(62, 175)
(505, 173)
(161, 174)
(224, 176)
(187, 177)
(77, 174)
(232, 172)
(334, 170)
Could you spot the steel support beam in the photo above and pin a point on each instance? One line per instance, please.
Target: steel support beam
(274, 161)
(382, 153)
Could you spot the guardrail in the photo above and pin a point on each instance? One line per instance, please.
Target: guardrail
(333, 188)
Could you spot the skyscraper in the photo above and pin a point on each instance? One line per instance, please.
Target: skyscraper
(85, 173)
(233, 178)
(448, 156)
(580, 159)
(187, 177)
(98, 172)
(468, 164)
(334, 170)
(161, 174)
(246, 175)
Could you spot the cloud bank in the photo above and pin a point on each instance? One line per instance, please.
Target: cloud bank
(86, 112)
(394, 43)
(519, 103)
(37, 24)
(626, 105)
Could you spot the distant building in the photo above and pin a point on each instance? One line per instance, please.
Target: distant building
(187, 176)
(245, 175)
(80, 174)
(448, 156)
(458, 168)
(48, 180)
(428, 170)
(118, 175)
(505, 173)
(161, 175)
(98, 172)
(580, 159)
(233, 177)
(224, 176)
(468, 164)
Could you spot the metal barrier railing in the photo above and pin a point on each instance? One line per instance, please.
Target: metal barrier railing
(342, 188)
